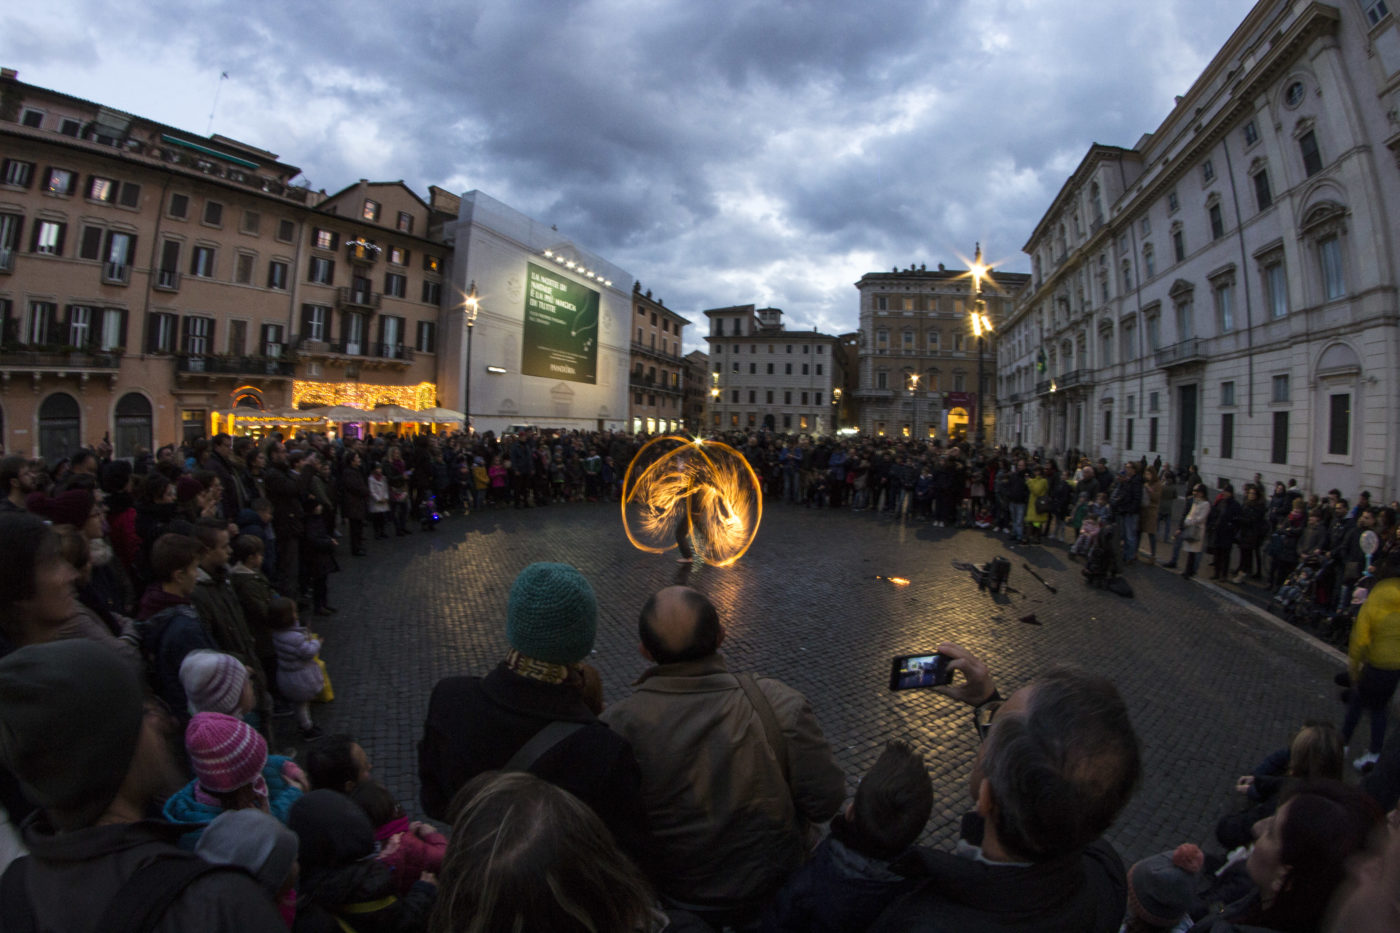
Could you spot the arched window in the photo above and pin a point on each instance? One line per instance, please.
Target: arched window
(60, 427)
(133, 424)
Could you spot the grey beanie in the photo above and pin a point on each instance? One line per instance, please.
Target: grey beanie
(70, 720)
(253, 840)
(1162, 887)
(552, 614)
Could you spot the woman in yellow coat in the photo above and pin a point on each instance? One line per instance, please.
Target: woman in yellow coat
(1037, 486)
(1375, 660)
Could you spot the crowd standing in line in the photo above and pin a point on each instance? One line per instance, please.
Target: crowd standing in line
(151, 639)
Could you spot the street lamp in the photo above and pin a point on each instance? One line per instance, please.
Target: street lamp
(913, 385)
(981, 326)
(471, 307)
(835, 408)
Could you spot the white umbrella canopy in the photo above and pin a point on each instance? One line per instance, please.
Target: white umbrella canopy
(441, 415)
(392, 413)
(341, 413)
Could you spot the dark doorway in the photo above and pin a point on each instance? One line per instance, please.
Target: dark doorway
(59, 423)
(1186, 432)
(133, 423)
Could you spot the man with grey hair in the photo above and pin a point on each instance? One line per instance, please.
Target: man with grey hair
(1058, 763)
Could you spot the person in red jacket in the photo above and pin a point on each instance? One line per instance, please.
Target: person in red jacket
(410, 849)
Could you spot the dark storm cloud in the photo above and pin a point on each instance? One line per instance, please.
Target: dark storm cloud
(723, 152)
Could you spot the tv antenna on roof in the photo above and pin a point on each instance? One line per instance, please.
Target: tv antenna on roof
(223, 76)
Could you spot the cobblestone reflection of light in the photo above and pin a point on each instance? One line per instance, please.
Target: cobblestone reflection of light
(674, 477)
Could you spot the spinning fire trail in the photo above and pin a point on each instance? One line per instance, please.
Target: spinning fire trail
(709, 486)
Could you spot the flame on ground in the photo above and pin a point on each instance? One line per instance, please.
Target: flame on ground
(673, 479)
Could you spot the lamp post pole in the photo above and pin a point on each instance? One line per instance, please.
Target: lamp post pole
(914, 406)
(471, 307)
(981, 326)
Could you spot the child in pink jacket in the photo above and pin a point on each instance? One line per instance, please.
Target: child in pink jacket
(410, 849)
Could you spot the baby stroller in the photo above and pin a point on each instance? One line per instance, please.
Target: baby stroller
(1299, 600)
(428, 515)
(1103, 562)
(1088, 532)
(1338, 625)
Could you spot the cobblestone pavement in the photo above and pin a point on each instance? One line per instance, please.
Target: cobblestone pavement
(1211, 687)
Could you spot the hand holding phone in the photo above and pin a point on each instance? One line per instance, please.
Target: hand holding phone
(914, 671)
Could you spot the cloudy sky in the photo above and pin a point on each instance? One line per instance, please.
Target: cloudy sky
(722, 151)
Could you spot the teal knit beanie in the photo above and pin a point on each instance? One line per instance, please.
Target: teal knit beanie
(552, 614)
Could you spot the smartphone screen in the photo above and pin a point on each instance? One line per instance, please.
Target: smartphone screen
(912, 671)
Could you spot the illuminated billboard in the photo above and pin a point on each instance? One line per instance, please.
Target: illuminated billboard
(561, 327)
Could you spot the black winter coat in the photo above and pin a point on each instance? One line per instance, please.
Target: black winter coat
(476, 724)
(1086, 892)
(1223, 523)
(318, 548)
(1254, 524)
(284, 492)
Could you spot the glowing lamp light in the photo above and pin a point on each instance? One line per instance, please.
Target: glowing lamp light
(496, 370)
(549, 254)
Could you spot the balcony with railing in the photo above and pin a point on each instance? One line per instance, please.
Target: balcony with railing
(394, 352)
(361, 252)
(278, 367)
(50, 359)
(1043, 386)
(873, 394)
(7, 259)
(1183, 353)
(167, 280)
(652, 351)
(390, 351)
(357, 298)
(1075, 377)
(116, 273)
(643, 384)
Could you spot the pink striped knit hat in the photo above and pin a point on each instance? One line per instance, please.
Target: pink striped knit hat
(226, 753)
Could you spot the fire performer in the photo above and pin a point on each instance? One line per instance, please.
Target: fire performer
(685, 524)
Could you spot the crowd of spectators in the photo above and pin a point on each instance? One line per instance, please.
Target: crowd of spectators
(151, 637)
(1256, 536)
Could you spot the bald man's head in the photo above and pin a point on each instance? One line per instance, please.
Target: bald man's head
(679, 624)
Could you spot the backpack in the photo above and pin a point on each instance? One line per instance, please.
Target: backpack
(138, 904)
(149, 633)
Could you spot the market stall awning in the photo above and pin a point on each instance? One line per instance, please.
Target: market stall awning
(441, 416)
(394, 414)
(344, 413)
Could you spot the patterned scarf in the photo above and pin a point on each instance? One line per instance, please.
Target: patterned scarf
(543, 671)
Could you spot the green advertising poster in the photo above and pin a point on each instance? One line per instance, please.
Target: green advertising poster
(561, 328)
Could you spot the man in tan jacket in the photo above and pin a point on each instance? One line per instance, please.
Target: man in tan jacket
(735, 770)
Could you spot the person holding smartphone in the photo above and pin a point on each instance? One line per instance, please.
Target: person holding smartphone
(1059, 761)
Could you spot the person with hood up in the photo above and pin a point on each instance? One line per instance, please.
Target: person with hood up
(342, 884)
